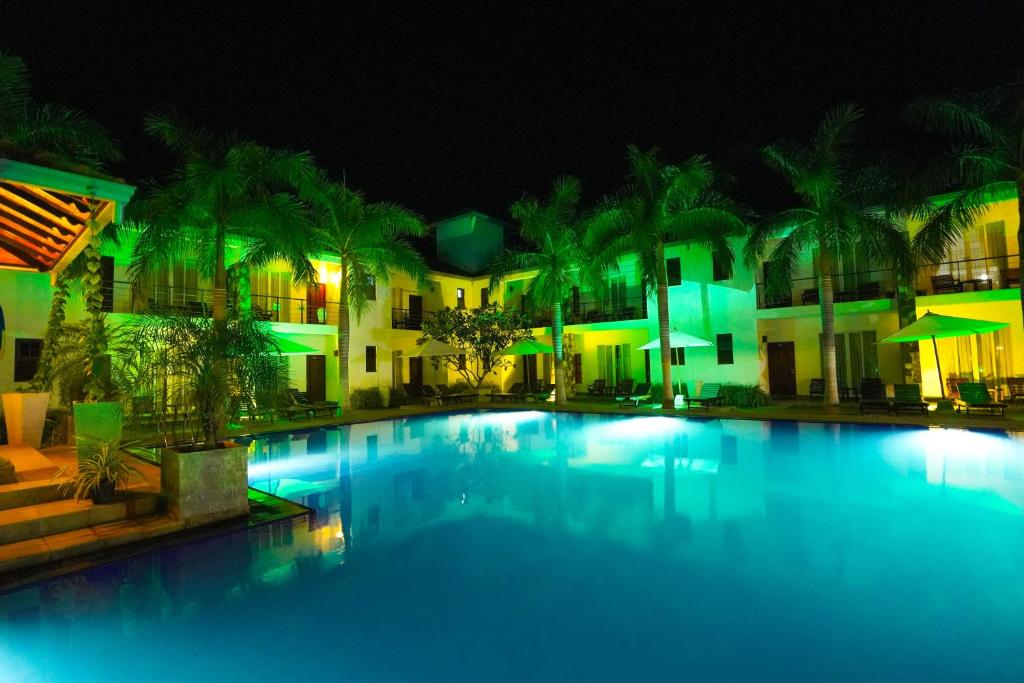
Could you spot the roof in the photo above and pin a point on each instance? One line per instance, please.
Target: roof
(45, 214)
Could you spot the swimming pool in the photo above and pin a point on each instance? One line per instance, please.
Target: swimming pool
(487, 546)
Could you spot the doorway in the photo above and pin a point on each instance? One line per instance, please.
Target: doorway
(781, 369)
(316, 301)
(415, 315)
(316, 378)
(416, 371)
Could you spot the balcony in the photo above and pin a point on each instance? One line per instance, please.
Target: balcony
(948, 277)
(585, 312)
(407, 319)
(198, 302)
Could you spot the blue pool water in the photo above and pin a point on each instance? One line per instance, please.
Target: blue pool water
(515, 546)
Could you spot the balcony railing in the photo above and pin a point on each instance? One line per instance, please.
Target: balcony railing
(198, 302)
(583, 312)
(406, 319)
(948, 277)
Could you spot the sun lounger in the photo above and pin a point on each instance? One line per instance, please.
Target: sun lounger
(517, 392)
(624, 388)
(908, 397)
(643, 393)
(975, 396)
(872, 397)
(446, 395)
(817, 389)
(598, 388)
(708, 396)
(315, 408)
(1015, 385)
(543, 393)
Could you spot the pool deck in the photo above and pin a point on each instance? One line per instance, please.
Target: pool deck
(794, 410)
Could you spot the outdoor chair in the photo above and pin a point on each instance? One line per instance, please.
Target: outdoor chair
(809, 297)
(446, 395)
(975, 396)
(1011, 277)
(642, 393)
(872, 397)
(429, 396)
(707, 398)
(1015, 386)
(624, 388)
(543, 393)
(598, 388)
(953, 384)
(315, 408)
(817, 389)
(908, 397)
(869, 291)
(517, 392)
(946, 284)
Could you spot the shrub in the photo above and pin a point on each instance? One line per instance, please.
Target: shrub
(367, 398)
(743, 396)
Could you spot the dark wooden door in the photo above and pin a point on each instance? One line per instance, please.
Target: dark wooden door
(416, 372)
(316, 299)
(415, 313)
(316, 378)
(781, 369)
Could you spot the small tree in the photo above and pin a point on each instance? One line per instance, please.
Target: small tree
(482, 332)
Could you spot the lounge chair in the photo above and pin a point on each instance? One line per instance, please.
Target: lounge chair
(643, 393)
(1011, 277)
(809, 297)
(446, 395)
(517, 392)
(1015, 385)
(598, 388)
(872, 397)
(946, 284)
(908, 397)
(707, 398)
(315, 408)
(624, 387)
(953, 384)
(542, 393)
(975, 396)
(817, 389)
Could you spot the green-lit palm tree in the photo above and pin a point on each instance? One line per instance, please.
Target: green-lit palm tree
(985, 162)
(663, 203)
(553, 231)
(843, 211)
(46, 133)
(369, 239)
(226, 188)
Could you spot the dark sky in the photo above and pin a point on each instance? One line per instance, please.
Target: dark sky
(444, 106)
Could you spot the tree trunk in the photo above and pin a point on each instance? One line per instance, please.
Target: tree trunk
(556, 338)
(828, 334)
(220, 279)
(663, 329)
(344, 326)
(1020, 234)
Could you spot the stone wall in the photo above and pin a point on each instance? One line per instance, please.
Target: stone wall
(205, 486)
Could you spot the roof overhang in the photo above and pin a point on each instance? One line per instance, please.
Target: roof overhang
(46, 214)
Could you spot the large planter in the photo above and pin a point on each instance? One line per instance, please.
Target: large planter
(205, 486)
(97, 422)
(25, 415)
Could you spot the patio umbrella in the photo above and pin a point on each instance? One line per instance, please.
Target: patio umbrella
(287, 347)
(676, 340)
(435, 348)
(934, 326)
(527, 347)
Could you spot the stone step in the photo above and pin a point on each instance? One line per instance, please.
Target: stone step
(46, 519)
(59, 547)
(29, 493)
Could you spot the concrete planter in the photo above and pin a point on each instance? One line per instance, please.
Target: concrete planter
(25, 415)
(101, 421)
(205, 486)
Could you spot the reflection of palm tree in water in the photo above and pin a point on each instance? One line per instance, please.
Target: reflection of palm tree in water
(482, 475)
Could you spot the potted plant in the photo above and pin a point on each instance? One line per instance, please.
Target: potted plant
(212, 369)
(101, 474)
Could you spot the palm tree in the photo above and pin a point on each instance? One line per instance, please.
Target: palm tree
(226, 188)
(843, 212)
(984, 164)
(50, 134)
(369, 239)
(664, 203)
(553, 231)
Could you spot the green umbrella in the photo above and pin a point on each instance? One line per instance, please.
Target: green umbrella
(934, 326)
(287, 347)
(527, 347)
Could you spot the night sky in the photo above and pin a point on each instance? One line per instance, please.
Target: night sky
(446, 106)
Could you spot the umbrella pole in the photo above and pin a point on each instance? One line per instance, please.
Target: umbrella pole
(938, 366)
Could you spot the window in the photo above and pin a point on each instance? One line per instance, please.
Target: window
(460, 298)
(484, 297)
(26, 358)
(721, 269)
(679, 356)
(724, 344)
(577, 368)
(371, 359)
(371, 290)
(675, 271)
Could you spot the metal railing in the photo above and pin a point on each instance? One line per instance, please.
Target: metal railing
(405, 319)
(948, 277)
(198, 302)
